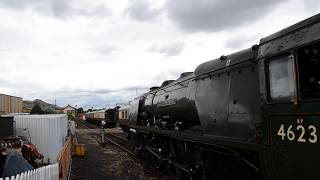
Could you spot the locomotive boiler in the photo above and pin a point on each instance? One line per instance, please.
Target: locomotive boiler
(253, 114)
(171, 105)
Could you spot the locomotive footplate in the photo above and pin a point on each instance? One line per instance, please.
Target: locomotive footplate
(295, 146)
(202, 139)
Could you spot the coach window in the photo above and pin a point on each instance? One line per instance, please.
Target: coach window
(281, 78)
(309, 71)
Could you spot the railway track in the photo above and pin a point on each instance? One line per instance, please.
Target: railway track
(114, 139)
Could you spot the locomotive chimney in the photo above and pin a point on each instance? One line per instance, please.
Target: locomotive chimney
(154, 88)
(184, 74)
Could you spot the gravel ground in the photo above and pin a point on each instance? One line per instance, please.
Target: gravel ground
(108, 162)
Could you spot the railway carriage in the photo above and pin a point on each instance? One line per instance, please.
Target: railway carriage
(110, 116)
(253, 114)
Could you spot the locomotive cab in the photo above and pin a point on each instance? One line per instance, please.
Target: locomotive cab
(290, 81)
(309, 75)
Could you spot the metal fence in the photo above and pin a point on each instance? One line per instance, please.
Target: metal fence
(50, 172)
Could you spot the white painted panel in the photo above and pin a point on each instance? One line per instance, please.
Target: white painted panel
(47, 132)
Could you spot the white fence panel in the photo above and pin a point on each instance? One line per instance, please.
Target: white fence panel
(50, 172)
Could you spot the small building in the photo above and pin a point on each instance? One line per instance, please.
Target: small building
(26, 109)
(69, 110)
(10, 104)
(123, 112)
(59, 110)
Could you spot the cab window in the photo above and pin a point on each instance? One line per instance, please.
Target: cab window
(281, 78)
(309, 71)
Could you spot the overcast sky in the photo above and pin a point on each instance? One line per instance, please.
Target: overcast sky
(94, 53)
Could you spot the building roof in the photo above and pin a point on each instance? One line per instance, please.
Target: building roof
(10, 95)
(125, 107)
(69, 106)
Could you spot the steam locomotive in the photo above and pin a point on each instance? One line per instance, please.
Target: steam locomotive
(253, 114)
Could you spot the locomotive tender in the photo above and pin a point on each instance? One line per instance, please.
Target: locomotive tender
(253, 114)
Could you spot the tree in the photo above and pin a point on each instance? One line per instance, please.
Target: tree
(79, 111)
(49, 111)
(70, 116)
(36, 109)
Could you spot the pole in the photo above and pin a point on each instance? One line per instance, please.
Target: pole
(102, 135)
(103, 123)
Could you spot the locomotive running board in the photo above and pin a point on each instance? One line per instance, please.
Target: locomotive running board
(201, 139)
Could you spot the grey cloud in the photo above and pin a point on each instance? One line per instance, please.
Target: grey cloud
(241, 41)
(58, 8)
(86, 92)
(142, 10)
(172, 74)
(311, 5)
(105, 49)
(89, 101)
(24, 89)
(61, 8)
(3, 49)
(97, 98)
(4, 83)
(81, 97)
(153, 48)
(98, 11)
(172, 49)
(16, 3)
(216, 15)
(135, 88)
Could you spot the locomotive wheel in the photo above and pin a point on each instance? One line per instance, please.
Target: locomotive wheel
(138, 148)
(205, 170)
(200, 167)
(157, 162)
(136, 144)
(157, 145)
(175, 173)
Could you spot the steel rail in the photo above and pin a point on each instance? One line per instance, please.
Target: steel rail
(116, 136)
(109, 139)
